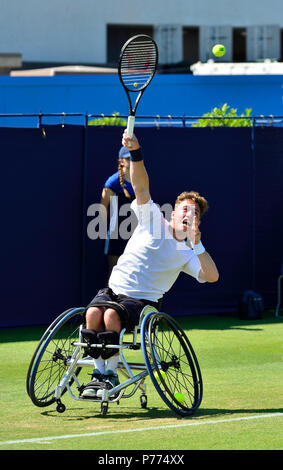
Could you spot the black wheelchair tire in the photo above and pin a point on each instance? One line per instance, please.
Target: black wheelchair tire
(42, 339)
(191, 380)
(45, 358)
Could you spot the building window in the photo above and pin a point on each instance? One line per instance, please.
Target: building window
(191, 44)
(239, 44)
(118, 34)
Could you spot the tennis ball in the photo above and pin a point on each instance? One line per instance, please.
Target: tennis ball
(218, 50)
(179, 397)
(156, 376)
(135, 84)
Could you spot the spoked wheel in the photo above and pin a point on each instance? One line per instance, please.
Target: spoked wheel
(50, 359)
(171, 363)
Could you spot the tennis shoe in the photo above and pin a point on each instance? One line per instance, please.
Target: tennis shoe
(90, 390)
(111, 379)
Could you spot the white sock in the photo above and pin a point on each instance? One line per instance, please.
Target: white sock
(112, 363)
(99, 364)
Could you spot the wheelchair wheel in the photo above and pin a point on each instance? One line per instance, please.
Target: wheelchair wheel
(50, 359)
(171, 363)
(46, 333)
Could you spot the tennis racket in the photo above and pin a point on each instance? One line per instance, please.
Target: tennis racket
(137, 66)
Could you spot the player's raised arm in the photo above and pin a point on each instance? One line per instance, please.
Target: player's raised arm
(138, 173)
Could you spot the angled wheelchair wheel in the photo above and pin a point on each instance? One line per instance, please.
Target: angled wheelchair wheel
(42, 339)
(171, 363)
(50, 359)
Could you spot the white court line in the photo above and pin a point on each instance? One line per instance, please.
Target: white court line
(153, 428)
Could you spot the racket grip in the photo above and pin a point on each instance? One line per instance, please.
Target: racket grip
(131, 125)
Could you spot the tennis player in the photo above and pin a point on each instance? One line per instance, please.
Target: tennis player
(153, 258)
(117, 192)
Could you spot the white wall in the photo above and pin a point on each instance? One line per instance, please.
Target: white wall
(75, 30)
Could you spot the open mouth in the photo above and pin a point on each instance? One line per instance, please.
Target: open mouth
(186, 224)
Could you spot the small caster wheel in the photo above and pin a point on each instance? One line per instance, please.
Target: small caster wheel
(104, 409)
(143, 399)
(60, 407)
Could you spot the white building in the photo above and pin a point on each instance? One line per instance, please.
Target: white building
(91, 32)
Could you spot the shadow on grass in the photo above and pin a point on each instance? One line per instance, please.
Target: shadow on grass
(154, 413)
(200, 322)
(226, 322)
(216, 412)
(13, 335)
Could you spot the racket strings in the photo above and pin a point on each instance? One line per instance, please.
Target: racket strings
(138, 64)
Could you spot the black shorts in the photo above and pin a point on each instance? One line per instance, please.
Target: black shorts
(133, 306)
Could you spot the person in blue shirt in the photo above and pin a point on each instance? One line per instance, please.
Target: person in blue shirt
(117, 195)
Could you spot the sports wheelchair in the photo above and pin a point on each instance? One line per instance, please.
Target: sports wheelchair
(169, 361)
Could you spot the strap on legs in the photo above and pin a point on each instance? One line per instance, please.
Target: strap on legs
(105, 338)
(91, 337)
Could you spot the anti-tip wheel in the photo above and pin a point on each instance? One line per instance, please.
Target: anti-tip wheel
(143, 400)
(60, 408)
(104, 409)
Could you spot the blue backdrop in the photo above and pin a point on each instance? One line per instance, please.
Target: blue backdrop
(50, 179)
(175, 95)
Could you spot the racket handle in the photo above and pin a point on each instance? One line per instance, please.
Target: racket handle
(131, 125)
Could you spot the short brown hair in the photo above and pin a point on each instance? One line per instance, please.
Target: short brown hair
(194, 196)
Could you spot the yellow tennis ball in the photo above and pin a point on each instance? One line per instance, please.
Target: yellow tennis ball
(218, 50)
(179, 397)
(135, 84)
(156, 376)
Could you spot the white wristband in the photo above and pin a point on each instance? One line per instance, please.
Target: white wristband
(199, 248)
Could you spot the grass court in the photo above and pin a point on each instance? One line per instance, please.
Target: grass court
(242, 407)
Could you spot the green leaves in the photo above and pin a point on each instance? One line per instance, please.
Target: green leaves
(225, 116)
(115, 120)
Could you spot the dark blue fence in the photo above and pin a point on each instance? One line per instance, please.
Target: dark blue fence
(52, 174)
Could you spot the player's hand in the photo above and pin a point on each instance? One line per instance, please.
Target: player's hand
(193, 231)
(131, 143)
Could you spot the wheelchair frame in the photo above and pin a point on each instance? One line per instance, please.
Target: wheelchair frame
(38, 379)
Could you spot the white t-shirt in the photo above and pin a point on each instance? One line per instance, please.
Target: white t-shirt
(153, 258)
